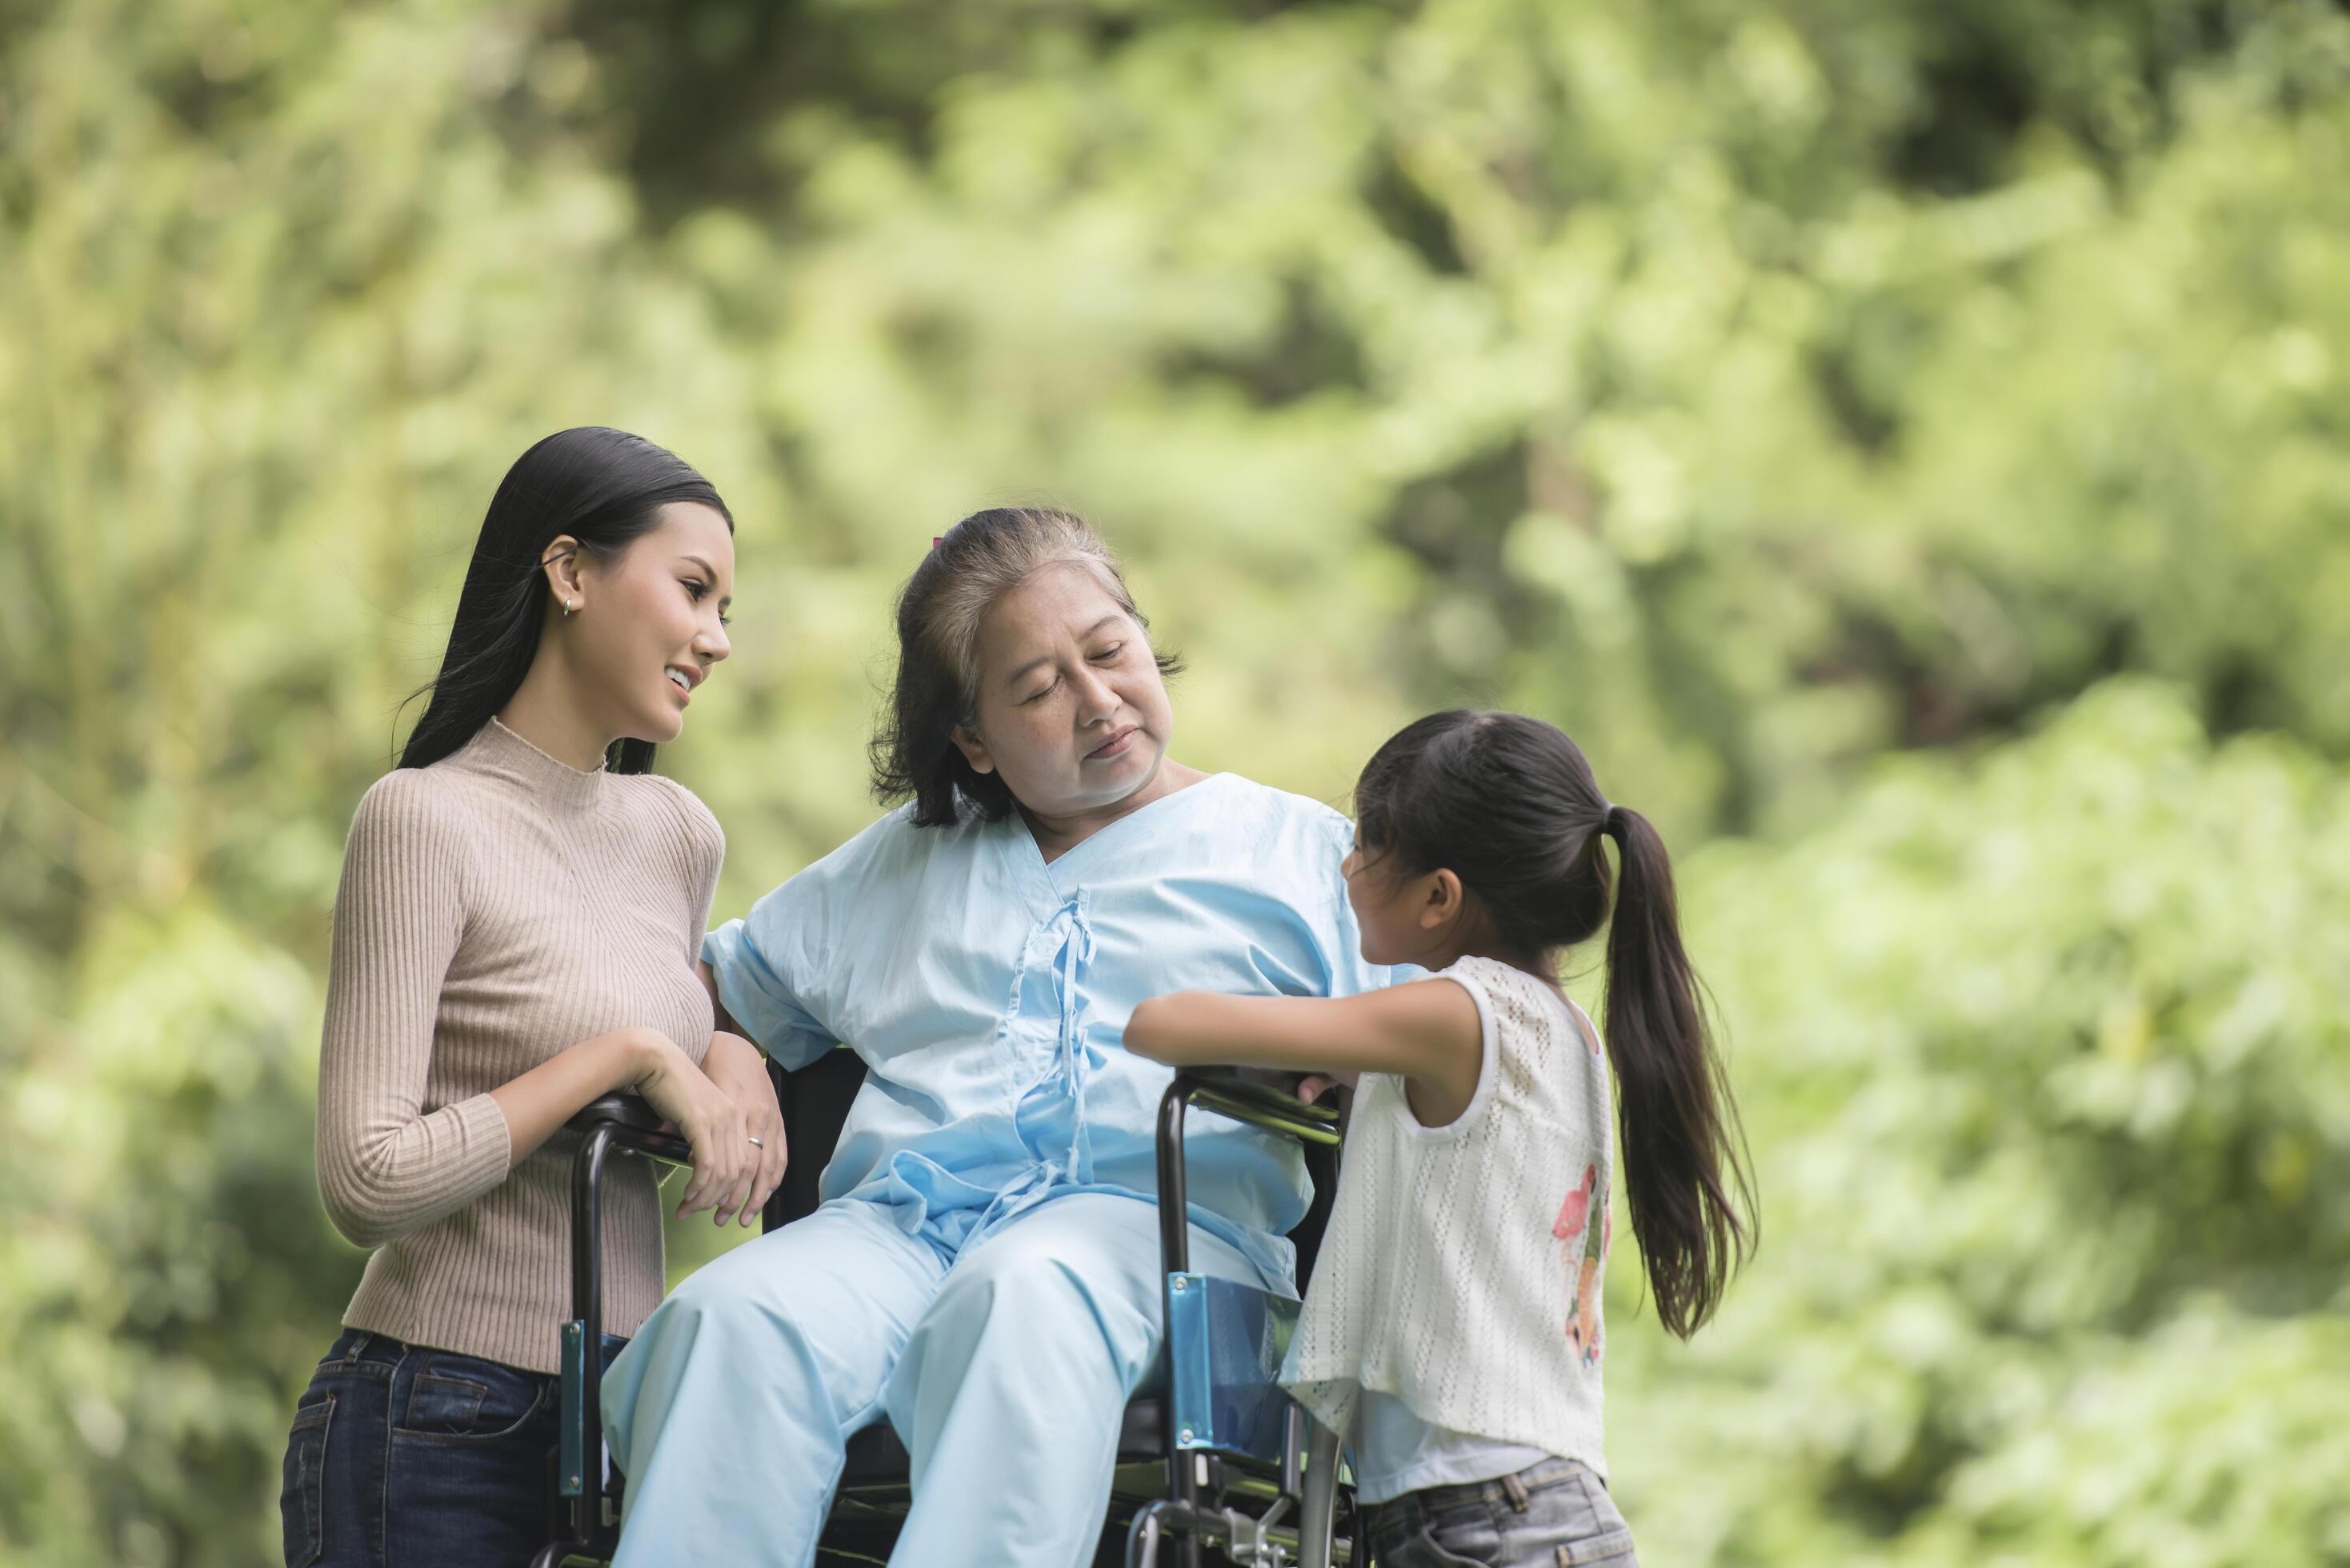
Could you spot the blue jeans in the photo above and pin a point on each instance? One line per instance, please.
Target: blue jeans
(402, 1455)
(1555, 1514)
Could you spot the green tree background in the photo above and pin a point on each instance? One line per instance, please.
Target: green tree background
(1906, 442)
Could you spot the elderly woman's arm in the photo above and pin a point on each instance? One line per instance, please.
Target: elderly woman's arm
(1426, 1032)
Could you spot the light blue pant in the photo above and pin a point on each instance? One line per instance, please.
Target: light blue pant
(1005, 1370)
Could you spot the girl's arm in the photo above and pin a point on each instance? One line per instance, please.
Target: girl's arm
(1426, 1032)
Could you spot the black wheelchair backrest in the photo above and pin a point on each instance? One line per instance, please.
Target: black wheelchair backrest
(814, 1101)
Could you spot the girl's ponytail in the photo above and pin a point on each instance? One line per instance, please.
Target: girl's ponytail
(1678, 1126)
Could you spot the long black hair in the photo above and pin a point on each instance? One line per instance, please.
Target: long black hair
(603, 488)
(1509, 805)
(970, 566)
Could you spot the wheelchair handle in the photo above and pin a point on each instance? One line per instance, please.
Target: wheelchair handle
(636, 1126)
(1246, 1100)
(619, 1121)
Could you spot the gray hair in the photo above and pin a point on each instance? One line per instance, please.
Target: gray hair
(969, 569)
(999, 560)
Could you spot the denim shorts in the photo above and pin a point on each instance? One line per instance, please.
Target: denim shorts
(402, 1455)
(1554, 1514)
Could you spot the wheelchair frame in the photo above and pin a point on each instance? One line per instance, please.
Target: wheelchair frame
(1307, 1472)
(1203, 1469)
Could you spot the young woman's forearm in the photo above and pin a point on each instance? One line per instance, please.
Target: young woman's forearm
(384, 1169)
(551, 1094)
(727, 1172)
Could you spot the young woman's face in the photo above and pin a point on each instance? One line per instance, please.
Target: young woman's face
(1072, 712)
(653, 621)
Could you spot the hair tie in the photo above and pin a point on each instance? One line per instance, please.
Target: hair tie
(1612, 820)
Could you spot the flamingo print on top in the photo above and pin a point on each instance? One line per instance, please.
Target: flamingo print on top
(1583, 1215)
(1572, 1212)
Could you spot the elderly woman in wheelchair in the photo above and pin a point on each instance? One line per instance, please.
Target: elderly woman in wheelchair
(985, 1272)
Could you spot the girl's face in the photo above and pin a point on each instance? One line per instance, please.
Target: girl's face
(653, 621)
(1071, 711)
(1390, 933)
(1404, 920)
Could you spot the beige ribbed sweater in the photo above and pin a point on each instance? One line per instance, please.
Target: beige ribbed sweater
(496, 907)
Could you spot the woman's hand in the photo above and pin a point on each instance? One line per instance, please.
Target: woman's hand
(725, 1165)
(739, 1068)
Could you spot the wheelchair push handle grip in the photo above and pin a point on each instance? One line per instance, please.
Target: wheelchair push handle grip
(636, 1127)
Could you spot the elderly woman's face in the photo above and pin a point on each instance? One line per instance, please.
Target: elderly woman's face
(1072, 713)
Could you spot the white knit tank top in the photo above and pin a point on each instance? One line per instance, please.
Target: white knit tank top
(1462, 1267)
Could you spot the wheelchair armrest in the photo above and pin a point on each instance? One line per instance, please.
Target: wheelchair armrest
(1262, 1096)
(636, 1126)
(1226, 1093)
(1280, 1078)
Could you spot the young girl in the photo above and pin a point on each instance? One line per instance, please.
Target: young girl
(1453, 1327)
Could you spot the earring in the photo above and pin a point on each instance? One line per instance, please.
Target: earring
(569, 606)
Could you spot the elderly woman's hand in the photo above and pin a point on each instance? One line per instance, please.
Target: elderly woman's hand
(739, 1068)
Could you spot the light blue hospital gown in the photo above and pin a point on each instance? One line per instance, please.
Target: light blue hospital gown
(984, 1271)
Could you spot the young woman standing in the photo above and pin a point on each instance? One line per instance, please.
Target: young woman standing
(521, 904)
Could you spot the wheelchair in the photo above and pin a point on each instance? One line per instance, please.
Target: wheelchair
(1218, 1460)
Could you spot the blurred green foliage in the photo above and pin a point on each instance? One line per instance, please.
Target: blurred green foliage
(1906, 443)
(2045, 1059)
